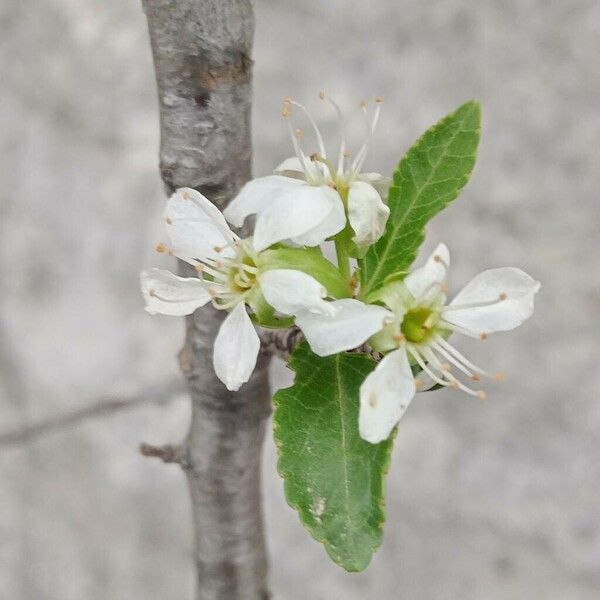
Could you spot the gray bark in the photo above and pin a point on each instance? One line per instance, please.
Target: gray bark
(201, 52)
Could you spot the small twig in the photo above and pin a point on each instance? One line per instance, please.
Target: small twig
(101, 408)
(168, 454)
(282, 342)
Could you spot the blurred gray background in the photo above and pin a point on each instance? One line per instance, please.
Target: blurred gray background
(494, 500)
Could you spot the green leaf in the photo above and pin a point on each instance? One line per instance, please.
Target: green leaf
(307, 260)
(427, 179)
(333, 478)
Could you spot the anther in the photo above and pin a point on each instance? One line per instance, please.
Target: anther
(299, 133)
(483, 336)
(481, 395)
(199, 268)
(322, 95)
(168, 221)
(363, 104)
(187, 196)
(503, 296)
(161, 248)
(314, 157)
(379, 100)
(419, 384)
(217, 249)
(372, 401)
(286, 111)
(347, 154)
(475, 377)
(152, 293)
(499, 376)
(398, 338)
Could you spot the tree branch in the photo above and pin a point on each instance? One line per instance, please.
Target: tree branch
(201, 51)
(100, 408)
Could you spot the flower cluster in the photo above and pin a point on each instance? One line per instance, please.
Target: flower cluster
(279, 276)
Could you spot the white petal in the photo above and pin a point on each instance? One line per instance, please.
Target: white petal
(294, 214)
(292, 167)
(352, 324)
(422, 280)
(384, 396)
(236, 349)
(258, 195)
(333, 223)
(169, 294)
(196, 226)
(489, 285)
(367, 213)
(291, 292)
(379, 182)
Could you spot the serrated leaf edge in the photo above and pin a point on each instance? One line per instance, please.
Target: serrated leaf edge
(304, 519)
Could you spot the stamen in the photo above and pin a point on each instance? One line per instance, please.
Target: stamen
(398, 338)
(432, 358)
(465, 361)
(342, 125)
(439, 259)
(432, 286)
(453, 360)
(501, 298)
(201, 268)
(223, 229)
(168, 220)
(298, 150)
(415, 354)
(299, 133)
(161, 248)
(463, 330)
(313, 125)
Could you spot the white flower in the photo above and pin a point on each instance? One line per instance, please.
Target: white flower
(229, 278)
(416, 334)
(307, 199)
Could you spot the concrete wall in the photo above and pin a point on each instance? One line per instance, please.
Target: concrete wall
(486, 501)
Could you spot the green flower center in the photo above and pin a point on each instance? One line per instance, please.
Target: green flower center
(418, 324)
(242, 275)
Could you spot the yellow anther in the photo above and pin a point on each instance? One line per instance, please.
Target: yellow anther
(286, 111)
(299, 133)
(379, 99)
(187, 196)
(168, 221)
(398, 338)
(475, 377)
(322, 95)
(152, 293)
(499, 376)
(419, 385)
(347, 154)
(363, 104)
(481, 395)
(483, 336)
(503, 296)
(199, 268)
(161, 248)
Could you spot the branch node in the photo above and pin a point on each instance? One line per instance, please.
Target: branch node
(168, 454)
